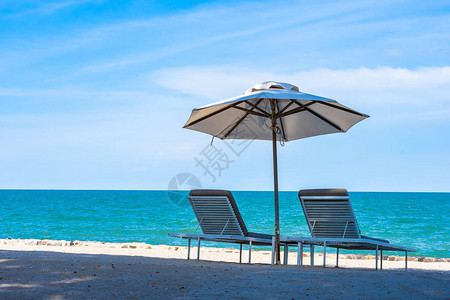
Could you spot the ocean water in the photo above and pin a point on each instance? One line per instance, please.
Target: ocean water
(417, 220)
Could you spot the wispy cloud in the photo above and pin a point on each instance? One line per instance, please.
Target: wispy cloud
(139, 169)
(336, 22)
(208, 27)
(68, 93)
(217, 16)
(45, 8)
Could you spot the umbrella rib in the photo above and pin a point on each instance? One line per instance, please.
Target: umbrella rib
(342, 108)
(250, 111)
(281, 123)
(240, 120)
(298, 109)
(212, 114)
(256, 107)
(324, 119)
(284, 108)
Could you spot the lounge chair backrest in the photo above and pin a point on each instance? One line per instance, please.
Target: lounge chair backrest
(329, 213)
(217, 212)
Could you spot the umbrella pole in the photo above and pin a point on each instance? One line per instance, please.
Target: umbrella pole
(275, 183)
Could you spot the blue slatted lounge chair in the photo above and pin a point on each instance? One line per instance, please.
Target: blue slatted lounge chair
(220, 220)
(332, 222)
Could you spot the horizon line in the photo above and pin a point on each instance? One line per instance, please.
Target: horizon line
(167, 190)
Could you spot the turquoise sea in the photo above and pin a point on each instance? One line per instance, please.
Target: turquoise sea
(418, 220)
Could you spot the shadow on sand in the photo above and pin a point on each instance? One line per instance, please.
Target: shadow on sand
(40, 274)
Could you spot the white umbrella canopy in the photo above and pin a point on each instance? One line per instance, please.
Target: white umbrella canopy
(299, 115)
(273, 111)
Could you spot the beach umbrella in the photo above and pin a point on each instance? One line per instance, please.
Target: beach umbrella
(273, 111)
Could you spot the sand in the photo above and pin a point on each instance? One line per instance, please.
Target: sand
(64, 269)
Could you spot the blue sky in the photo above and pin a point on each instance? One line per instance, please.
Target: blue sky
(93, 93)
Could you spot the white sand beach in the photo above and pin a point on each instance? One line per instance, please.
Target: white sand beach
(60, 269)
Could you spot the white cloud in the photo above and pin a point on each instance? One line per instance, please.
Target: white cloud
(422, 92)
(209, 82)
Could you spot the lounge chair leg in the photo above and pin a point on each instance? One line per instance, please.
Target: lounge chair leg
(286, 253)
(381, 260)
(189, 248)
(301, 254)
(198, 250)
(273, 250)
(376, 259)
(240, 254)
(312, 254)
(250, 252)
(324, 254)
(406, 260)
(337, 257)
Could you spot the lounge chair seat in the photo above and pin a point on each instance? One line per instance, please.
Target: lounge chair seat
(375, 239)
(332, 223)
(260, 235)
(220, 220)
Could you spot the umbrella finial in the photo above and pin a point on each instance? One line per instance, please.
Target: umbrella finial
(272, 85)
